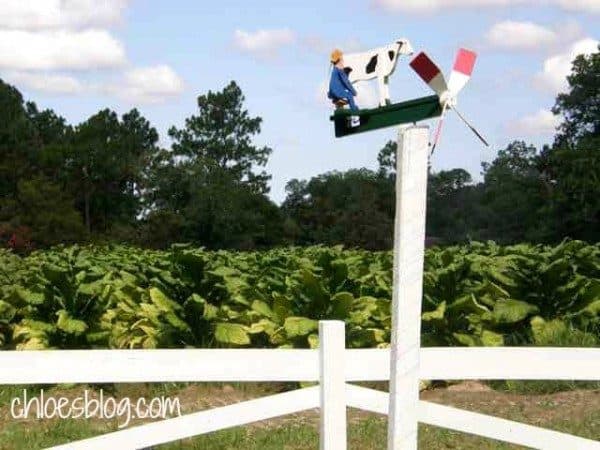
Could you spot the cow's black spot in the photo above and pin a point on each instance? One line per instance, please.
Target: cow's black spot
(391, 55)
(347, 70)
(372, 64)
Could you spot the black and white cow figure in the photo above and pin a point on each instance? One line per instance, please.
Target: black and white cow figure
(378, 63)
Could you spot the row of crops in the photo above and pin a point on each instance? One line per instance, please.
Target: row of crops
(122, 297)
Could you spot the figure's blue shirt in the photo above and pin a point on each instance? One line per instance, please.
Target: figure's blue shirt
(339, 85)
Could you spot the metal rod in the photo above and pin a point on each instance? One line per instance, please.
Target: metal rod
(470, 126)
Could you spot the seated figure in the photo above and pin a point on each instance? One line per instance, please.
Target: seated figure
(341, 91)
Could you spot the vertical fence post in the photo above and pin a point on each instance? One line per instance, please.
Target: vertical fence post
(409, 248)
(332, 343)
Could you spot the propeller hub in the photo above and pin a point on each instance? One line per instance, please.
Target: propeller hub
(448, 99)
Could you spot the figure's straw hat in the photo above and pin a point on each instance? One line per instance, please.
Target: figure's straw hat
(336, 55)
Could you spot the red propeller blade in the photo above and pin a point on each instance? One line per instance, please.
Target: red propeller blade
(430, 73)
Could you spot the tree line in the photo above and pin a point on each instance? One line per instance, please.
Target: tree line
(108, 179)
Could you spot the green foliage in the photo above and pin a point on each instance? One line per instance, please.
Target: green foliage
(580, 106)
(121, 297)
(220, 137)
(353, 208)
(44, 208)
(17, 135)
(54, 177)
(208, 188)
(108, 160)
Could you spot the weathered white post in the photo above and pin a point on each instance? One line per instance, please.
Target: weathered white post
(332, 344)
(409, 248)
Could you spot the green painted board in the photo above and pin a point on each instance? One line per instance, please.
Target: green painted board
(411, 111)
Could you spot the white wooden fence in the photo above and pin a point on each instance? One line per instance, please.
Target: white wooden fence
(332, 366)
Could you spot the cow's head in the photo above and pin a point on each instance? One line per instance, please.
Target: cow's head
(404, 47)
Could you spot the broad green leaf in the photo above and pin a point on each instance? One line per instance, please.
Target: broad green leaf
(176, 322)
(34, 343)
(262, 326)
(512, 311)
(162, 301)
(7, 312)
(32, 334)
(436, 315)
(547, 332)
(70, 325)
(91, 289)
(210, 311)
(278, 337)
(341, 305)
(466, 304)
(369, 337)
(465, 339)
(282, 307)
(98, 337)
(313, 341)
(262, 308)
(232, 333)
(31, 297)
(299, 326)
(491, 339)
(593, 309)
(195, 298)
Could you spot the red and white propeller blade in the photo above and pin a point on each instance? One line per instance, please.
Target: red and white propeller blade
(438, 130)
(462, 70)
(430, 73)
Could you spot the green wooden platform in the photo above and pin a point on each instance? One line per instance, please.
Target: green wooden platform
(411, 111)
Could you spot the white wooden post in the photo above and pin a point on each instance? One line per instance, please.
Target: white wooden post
(332, 344)
(409, 248)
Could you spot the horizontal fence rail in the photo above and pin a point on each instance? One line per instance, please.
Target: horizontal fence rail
(248, 365)
(473, 423)
(201, 422)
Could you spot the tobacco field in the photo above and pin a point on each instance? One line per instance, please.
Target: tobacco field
(124, 297)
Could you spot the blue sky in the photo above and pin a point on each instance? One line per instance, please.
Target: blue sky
(79, 56)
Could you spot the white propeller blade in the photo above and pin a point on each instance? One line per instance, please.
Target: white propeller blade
(462, 70)
(429, 73)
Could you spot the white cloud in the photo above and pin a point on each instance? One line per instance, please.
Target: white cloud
(322, 46)
(145, 85)
(263, 43)
(520, 35)
(556, 68)
(591, 6)
(148, 85)
(40, 14)
(515, 35)
(56, 50)
(48, 83)
(432, 6)
(40, 38)
(544, 122)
